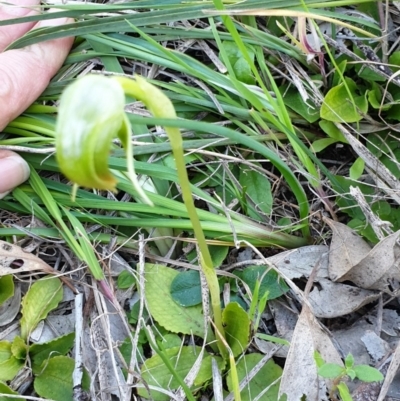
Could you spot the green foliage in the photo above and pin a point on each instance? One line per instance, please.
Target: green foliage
(125, 280)
(237, 327)
(6, 288)
(162, 306)
(270, 281)
(357, 169)
(240, 65)
(293, 99)
(4, 389)
(343, 103)
(154, 371)
(339, 373)
(258, 188)
(40, 353)
(42, 297)
(53, 377)
(264, 378)
(186, 288)
(9, 364)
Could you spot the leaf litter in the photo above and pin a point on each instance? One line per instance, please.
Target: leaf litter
(365, 276)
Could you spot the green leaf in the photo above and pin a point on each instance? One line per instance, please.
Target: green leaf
(19, 348)
(218, 254)
(5, 351)
(265, 376)
(367, 373)
(332, 131)
(154, 372)
(338, 106)
(41, 298)
(9, 366)
(331, 370)
(321, 144)
(186, 288)
(55, 380)
(357, 168)
(169, 341)
(4, 389)
(273, 339)
(271, 281)
(375, 99)
(237, 327)
(318, 359)
(349, 361)
(41, 352)
(125, 280)
(6, 288)
(258, 188)
(241, 67)
(344, 392)
(351, 373)
(164, 309)
(293, 99)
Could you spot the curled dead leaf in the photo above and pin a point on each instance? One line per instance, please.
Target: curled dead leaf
(331, 300)
(13, 260)
(300, 378)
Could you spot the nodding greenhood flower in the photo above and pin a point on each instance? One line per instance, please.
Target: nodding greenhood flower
(90, 115)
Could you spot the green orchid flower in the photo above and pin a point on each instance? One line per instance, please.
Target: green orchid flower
(91, 114)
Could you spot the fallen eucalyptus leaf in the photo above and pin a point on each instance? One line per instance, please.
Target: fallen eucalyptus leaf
(300, 262)
(330, 300)
(346, 250)
(379, 267)
(300, 378)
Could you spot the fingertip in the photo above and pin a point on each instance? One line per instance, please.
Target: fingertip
(14, 170)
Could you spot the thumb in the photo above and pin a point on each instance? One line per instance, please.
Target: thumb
(14, 170)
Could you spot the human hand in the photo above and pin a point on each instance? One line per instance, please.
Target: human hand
(17, 88)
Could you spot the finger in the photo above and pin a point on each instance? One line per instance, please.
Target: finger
(25, 73)
(14, 9)
(14, 171)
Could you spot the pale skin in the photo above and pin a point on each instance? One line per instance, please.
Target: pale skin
(17, 88)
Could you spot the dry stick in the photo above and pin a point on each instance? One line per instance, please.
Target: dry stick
(78, 368)
(141, 283)
(378, 225)
(389, 182)
(376, 66)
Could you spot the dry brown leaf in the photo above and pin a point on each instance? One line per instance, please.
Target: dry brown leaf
(392, 370)
(379, 267)
(300, 376)
(334, 299)
(13, 260)
(347, 249)
(300, 262)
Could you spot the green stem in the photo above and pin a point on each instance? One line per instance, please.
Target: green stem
(160, 106)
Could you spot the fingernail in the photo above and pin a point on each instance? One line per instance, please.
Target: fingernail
(14, 170)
